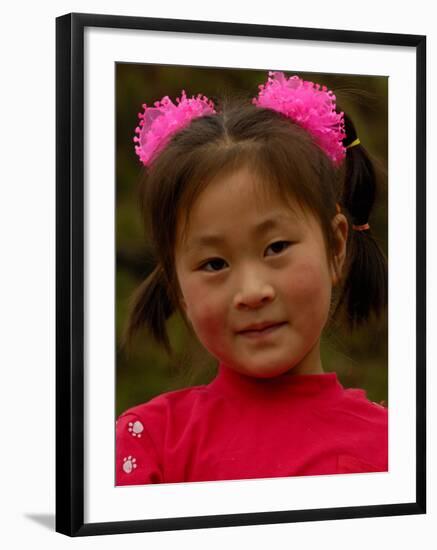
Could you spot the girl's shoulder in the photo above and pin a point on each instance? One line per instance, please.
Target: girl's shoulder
(182, 399)
(165, 417)
(356, 402)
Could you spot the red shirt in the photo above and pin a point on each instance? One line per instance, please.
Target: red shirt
(240, 427)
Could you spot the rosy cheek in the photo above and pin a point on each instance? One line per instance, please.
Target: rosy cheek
(208, 326)
(205, 316)
(308, 283)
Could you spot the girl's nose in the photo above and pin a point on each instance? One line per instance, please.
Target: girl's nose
(254, 294)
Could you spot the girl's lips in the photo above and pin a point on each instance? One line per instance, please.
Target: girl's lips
(261, 330)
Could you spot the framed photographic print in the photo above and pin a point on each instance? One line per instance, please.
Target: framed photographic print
(224, 360)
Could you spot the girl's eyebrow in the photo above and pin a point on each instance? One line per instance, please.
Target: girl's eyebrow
(205, 240)
(216, 239)
(269, 223)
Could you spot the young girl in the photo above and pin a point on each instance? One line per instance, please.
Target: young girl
(258, 212)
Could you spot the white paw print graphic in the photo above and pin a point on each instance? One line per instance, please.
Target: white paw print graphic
(129, 464)
(135, 428)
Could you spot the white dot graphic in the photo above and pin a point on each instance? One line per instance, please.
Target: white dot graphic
(135, 428)
(129, 464)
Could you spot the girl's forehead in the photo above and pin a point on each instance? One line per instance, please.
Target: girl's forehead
(244, 189)
(237, 200)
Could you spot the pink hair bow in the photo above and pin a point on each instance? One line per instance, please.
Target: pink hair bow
(158, 124)
(310, 106)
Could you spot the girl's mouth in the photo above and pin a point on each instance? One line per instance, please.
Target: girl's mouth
(261, 330)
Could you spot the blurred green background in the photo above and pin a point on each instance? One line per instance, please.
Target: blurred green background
(359, 358)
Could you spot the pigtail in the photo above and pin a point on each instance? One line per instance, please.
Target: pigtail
(365, 289)
(150, 306)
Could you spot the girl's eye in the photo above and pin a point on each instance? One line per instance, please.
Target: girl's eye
(277, 247)
(216, 264)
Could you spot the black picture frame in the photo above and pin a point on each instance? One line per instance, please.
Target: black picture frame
(70, 488)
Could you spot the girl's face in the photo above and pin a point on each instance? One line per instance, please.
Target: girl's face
(255, 279)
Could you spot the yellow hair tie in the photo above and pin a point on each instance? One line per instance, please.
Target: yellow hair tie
(355, 142)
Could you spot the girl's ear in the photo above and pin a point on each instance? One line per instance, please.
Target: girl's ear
(340, 229)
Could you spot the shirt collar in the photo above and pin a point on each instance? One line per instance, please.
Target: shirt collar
(319, 385)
